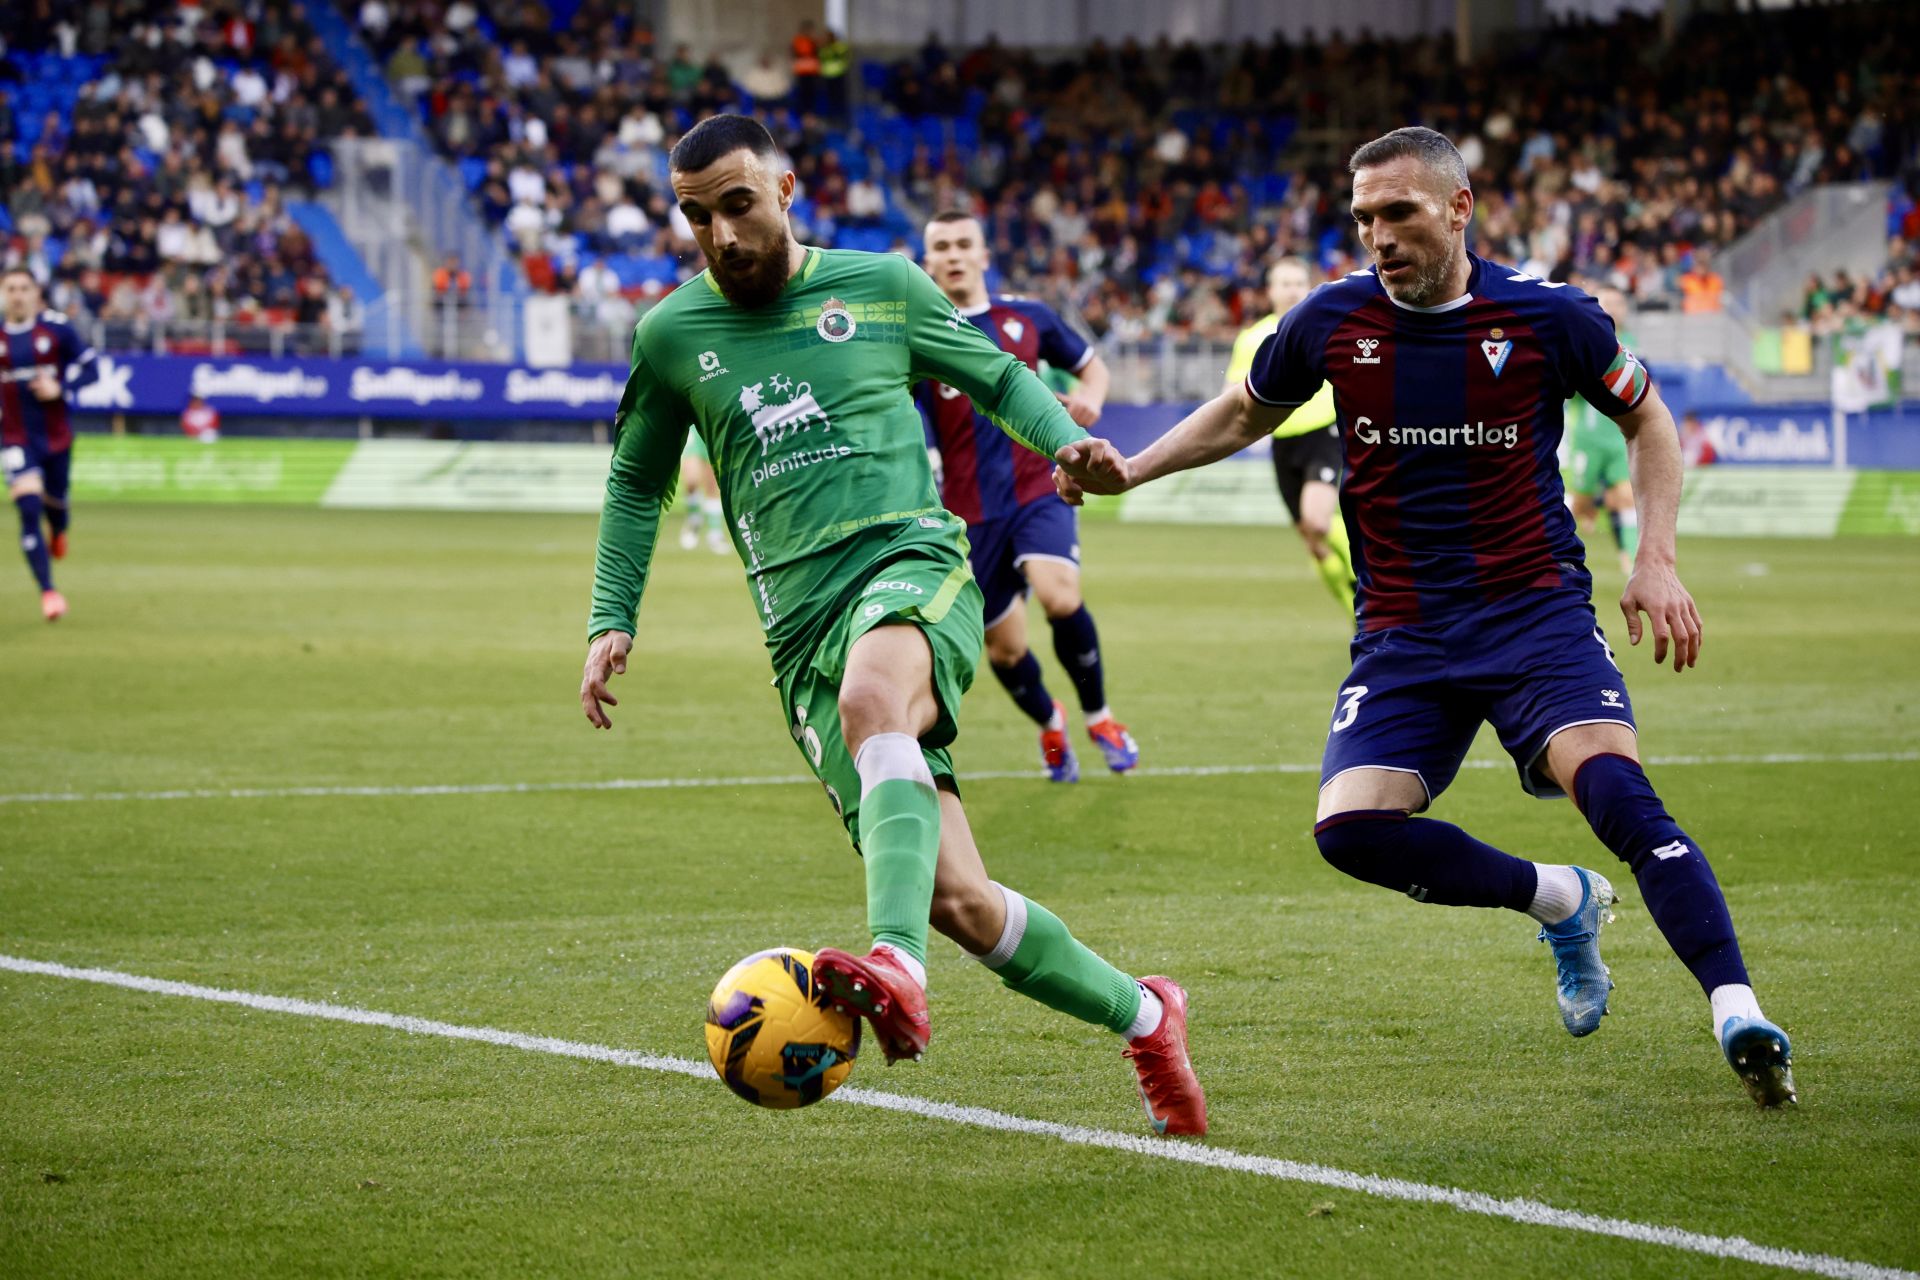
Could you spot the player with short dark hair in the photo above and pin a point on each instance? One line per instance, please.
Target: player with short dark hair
(796, 367)
(1023, 537)
(1306, 447)
(1448, 372)
(42, 358)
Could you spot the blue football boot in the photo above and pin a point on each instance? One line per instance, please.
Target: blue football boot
(1762, 1056)
(1115, 743)
(1584, 979)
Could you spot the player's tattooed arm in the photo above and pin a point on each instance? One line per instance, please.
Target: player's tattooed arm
(1654, 588)
(1218, 429)
(606, 658)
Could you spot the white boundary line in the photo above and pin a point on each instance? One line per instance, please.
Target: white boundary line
(1529, 1212)
(791, 779)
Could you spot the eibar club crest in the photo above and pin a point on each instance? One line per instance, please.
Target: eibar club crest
(1496, 349)
(836, 322)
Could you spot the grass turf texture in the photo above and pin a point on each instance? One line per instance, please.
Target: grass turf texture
(143, 1135)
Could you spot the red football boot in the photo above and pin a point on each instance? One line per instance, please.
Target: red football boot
(53, 606)
(1169, 1090)
(58, 545)
(878, 988)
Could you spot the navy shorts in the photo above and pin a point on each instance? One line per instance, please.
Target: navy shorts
(1530, 666)
(1044, 529)
(18, 461)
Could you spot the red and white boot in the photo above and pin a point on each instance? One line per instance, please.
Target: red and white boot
(1171, 1093)
(878, 987)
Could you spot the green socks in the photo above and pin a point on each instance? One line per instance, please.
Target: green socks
(899, 838)
(1038, 958)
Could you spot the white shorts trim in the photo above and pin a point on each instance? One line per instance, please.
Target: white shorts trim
(1014, 606)
(1069, 561)
(1550, 790)
(1388, 768)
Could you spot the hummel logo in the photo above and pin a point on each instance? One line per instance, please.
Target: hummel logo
(1611, 698)
(1678, 849)
(1367, 347)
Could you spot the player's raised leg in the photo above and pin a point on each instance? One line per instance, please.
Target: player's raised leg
(1076, 643)
(1033, 953)
(886, 703)
(1018, 671)
(1599, 766)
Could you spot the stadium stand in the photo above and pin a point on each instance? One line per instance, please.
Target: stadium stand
(1146, 187)
(150, 152)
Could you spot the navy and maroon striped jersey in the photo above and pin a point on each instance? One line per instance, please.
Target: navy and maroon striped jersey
(986, 475)
(1450, 417)
(48, 341)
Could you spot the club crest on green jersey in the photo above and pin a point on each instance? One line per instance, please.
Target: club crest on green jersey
(836, 322)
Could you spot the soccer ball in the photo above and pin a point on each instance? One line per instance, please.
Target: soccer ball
(768, 1037)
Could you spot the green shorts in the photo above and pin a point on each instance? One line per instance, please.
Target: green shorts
(1596, 461)
(926, 584)
(696, 448)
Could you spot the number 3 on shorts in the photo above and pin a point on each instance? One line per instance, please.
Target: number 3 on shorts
(1349, 706)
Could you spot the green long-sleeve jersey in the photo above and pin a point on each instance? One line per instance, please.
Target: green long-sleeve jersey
(807, 412)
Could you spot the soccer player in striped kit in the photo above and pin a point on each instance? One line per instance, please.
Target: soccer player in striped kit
(42, 358)
(1449, 374)
(1023, 537)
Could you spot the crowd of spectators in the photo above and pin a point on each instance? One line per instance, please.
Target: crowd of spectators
(1839, 302)
(1145, 185)
(1149, 185)
(563, 135)
(1136, 180)
(151, 191)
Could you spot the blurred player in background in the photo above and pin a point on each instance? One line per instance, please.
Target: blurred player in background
(42, 359)
(701, 492)
(1474, 605)
(1306, 447)
(1597, 456)
(796, 366)
(1023, 537)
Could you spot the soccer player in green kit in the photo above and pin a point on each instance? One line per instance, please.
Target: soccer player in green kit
(1596, 471)
(796, 366)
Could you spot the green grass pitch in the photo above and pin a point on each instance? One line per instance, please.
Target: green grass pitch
(143, 1135)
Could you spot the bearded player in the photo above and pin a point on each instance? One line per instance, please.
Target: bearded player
(1448, 371)
(1023, 537)
(795, 366)
(41, 359)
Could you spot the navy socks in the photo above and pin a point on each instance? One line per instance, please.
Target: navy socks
(1077, 644)
(1023, 681)
(1428, 861)
(1675, 881)
(31, 541)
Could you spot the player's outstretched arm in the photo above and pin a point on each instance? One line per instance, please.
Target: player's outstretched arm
(606, 658)
(1654, 588)
(1218, 429)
